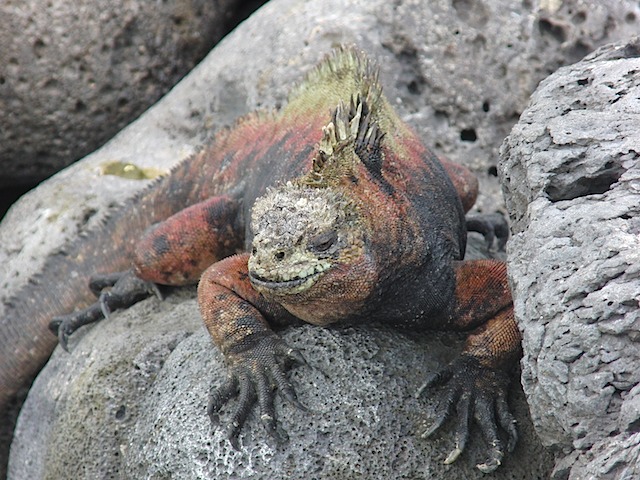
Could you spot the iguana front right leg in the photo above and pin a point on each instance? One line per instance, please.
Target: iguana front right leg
(236, 317)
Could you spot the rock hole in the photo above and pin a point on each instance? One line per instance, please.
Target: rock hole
(486, 106)
(179, 20)
(493, 171)
(634, 427)
(579, 50)
(38, 45)
(632, 50)
(546, 27)
(630, 17)
(468, 135)
(441, 116)
(88, 215)
(416, 85)
(579, 18)
(121, 413)
(584, 81)
(600, 182)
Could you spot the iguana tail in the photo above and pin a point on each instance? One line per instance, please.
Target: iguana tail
(62, 286)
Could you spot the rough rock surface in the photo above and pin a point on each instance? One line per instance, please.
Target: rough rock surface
(460, 72)
(571, 170)
(74, 73)
(130, 402)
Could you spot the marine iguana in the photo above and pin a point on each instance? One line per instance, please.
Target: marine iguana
(352, 219)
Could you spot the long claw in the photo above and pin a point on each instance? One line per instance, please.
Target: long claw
(292, 398)
(492, 227)
(432, 380)
(296, 357)
(103, 300)
(493, 462)
(478, 393)
(219, 397)
(255, 373)
(507, 422)
(64, 326)
(485, 417)
(462, 430)
(438, 422)
(246, 399)
(63, 337)
(232, 435)
(155, 290)
(443, 413)
(285, 389)
(127, 290)
(453, 456)
(265, 401)
(97, 283)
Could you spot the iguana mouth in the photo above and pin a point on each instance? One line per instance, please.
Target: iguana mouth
(293, 285)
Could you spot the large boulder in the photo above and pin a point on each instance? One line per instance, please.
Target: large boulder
(459, 72)
(130, 402)
(74, 73)
(571, 171)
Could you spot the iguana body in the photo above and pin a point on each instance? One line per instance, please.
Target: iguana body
(362, 224)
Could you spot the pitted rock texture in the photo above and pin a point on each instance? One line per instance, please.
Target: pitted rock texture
(74, 73)
(459, 72)
(130, 402)
(571, 171)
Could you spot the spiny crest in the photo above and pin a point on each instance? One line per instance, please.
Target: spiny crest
(351, 131)
(347, 62)
(345, 71)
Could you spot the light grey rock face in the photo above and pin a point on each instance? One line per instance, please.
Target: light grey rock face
(130, 402)
(459, 72)
(571, 170)
(74, 73)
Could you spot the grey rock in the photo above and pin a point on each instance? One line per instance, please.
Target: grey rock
(474, 71)
(455, 70)
(571, 174)
(74, 73)
(130, 402)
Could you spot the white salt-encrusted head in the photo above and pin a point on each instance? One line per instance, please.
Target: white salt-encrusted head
(299, 233)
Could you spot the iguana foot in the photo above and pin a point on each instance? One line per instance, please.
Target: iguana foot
(125, 290)
(478, 393)
(256, 371)
(492, 226)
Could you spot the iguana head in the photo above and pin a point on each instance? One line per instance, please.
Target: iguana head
(302, 233)
(310, 248)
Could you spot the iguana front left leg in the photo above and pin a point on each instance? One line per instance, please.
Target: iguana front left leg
(115, 290)
(174, 252)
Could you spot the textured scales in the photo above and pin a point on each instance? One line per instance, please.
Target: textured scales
(352, 219)
(241, 161)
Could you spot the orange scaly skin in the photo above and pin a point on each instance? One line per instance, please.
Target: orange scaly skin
(360, 214)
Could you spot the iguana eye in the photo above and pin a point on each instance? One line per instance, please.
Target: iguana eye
(323, 242)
